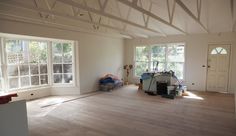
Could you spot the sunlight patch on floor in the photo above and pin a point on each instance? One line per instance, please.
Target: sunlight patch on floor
(193, 96)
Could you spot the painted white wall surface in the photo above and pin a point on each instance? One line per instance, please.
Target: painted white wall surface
(95, 54)
(196, 55)
(13, 119)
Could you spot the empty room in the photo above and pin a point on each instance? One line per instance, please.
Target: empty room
(117, 67)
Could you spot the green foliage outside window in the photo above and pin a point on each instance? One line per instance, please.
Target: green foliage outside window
(169, 56)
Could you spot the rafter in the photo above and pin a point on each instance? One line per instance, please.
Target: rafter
(126, 2)
(70, 2)
(60, 26)
(199, 9)
(52, 12)
(102, 6)
(184, 7)
(171, 11)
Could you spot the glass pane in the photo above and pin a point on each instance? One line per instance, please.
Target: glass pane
(223, 51)
(140, 67)
(43, 52)
(34, 80)
(57, 78)
(44, 79)
(13, 83)
(13, 46)
(160, 68)
(68, 78)
(23, 55)
(158, 53)
(67, 68)
(57, 68)
(57, 52)
(141, 53)
(219, 49)
(12, 70)
(34, 51)
(12, 58)
(43, 69)
(24, 70)
(34, 69)
(214, 52)
(178, 68)
(175, 53)
(25, 81)
(67, 53)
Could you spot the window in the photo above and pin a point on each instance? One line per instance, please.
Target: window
(62, 62)
(169, 56)
(27, 63)
(141, 60)
(218, 50)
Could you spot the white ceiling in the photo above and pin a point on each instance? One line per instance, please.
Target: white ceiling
(126, 18)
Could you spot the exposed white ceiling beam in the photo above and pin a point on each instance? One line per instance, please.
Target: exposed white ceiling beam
(189, 12)
(49, 24)
(171, 10)
(126, 2)
(52, 12)
(199, 9)
(100, 12)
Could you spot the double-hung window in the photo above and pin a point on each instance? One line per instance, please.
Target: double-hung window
(27, 63)
(169, 56)
(141, 60)
(62, 59)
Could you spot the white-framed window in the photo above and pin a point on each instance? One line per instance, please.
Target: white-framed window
(62, 61)
(27, 63)
(30, 62)
(170, 56)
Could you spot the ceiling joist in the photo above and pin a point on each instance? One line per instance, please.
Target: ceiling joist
(52, 12)
(189, 12)
(102, 13)
(130, 4)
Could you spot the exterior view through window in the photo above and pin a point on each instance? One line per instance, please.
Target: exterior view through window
(169, 56)
(26, 63)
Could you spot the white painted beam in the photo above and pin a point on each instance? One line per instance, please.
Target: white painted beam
(52, 12)
(130, 4)
(184, 7)
(75, 4)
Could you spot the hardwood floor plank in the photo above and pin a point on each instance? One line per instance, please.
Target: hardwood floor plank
(129, 112)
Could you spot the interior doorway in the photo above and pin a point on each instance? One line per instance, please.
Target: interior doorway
(218, 67)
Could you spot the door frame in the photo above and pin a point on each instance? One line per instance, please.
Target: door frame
(230, 61)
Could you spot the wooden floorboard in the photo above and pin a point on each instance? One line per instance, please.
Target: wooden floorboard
(129, 112)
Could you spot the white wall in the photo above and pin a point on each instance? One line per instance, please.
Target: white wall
(196, 55)
(95, 55)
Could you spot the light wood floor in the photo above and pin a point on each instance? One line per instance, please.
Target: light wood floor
(129, 112)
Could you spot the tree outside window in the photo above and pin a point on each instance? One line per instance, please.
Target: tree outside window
(169, 56)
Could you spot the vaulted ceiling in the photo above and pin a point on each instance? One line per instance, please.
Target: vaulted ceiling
(126, 18)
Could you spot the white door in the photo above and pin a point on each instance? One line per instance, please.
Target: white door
(218, 68)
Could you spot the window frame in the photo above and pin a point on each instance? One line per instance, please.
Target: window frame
(48, 41)
(73, 84)
(29, 64)
(166, 45)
